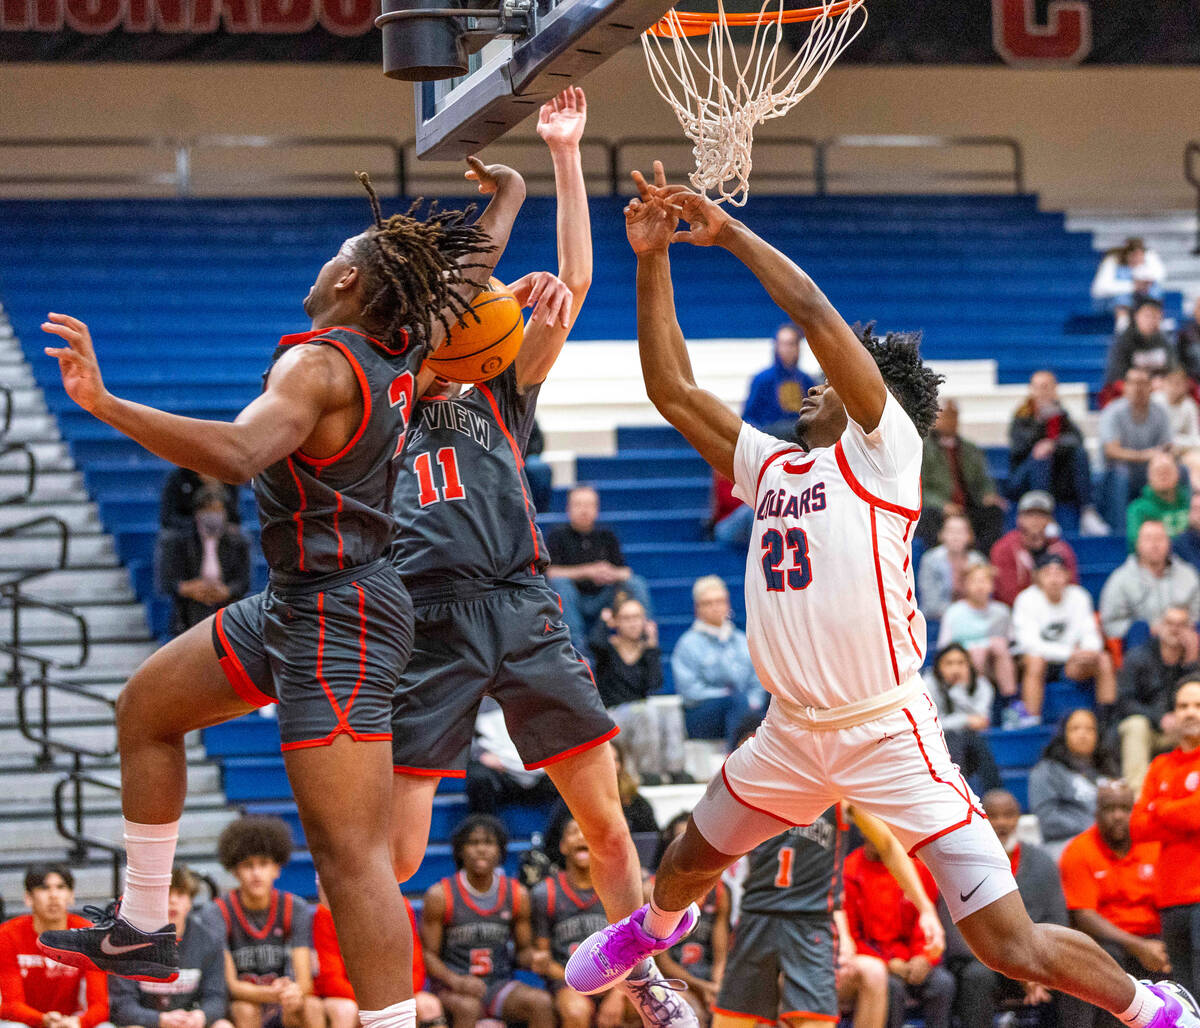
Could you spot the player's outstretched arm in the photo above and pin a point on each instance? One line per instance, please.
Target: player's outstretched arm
(561, 123)
(849, 368)
(304, 384)
(706, 423)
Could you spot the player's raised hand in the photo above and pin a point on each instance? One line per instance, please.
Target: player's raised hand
(491, 178)
(649, 221)
(561, 120)
(705, 219)
(549, 296)
(76, 361)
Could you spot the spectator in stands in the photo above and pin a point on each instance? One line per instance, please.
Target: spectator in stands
(588, 565)
(712, 669)
(1142, 344)
(1168, 812)
(955, 480)
(983, 627)
(730, 520)
(940, 574)
(1046, 453)
(1109, 883)
(1175, 397)
(979, 987)
(1127, 272)
(1187, 344)
(476, 931)
(1146, 687)
(203, 567)
(884, 924)
(1054, 625)
(1132, 430)
(1147, 583)
(964, 704)
(1164, 498)
(1186, 544)
(537, 471)
(267, 933)
(34, 989)
(627, 664)
(777, 392)
(177, 505)
(198, 997)
(1036, 533)
(496, 775)
(1062, 785)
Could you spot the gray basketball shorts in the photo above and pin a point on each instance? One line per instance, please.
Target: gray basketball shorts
(328, 653)
(503, 640)
(780, 965)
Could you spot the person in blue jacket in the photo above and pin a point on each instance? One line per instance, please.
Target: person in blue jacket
(777, 392)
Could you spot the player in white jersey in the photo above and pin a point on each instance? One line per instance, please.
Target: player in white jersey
(834, 632)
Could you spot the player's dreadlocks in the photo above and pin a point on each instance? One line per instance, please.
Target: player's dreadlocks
(412, 268)
(898, 355)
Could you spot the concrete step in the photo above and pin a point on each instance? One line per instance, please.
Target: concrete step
(93, 883)
(112, 622)
(27, 398)
(97, 738)
(62, 706)
(115, 658)
(80, 517)
(50, 456)
(83, 586)
(22, 783)
(83, 550)
(49, 487)
(32, 428)
(198, 830)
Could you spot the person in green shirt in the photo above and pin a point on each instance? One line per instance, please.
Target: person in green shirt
(1164, 498)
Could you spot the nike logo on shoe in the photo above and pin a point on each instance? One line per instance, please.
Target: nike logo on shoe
(109, 949)
(966, 896)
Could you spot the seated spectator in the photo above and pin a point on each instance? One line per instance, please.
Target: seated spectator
(203, 567)
(1168, 812)
(537, 472)
(34, 989)
(982, 626)
(1186, 544)
(964, 706)
(627, 665)
(776, 393)
(1175, 397)
(940, 574)
(1132, 430)
(885, 924)
(1062, 785)
(1187, 344)
(1163, 499)
(496, 774)
(1147, 583)
(1036, 533)
(1146, 687)
(475, 932)
(177, 504)
(1141, 344)
(1127, 272)
(955, 480)
(198, 997)
(980, 989)
(588, 566)
(1046, 453)
(1054, 626)
(1109, 885)
(267, 933)
(711, 666)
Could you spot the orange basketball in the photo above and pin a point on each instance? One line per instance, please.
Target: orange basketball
(478, 350)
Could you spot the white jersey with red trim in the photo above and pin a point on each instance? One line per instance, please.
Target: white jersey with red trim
(830, 607)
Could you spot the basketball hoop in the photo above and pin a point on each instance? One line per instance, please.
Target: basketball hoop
(719, 114)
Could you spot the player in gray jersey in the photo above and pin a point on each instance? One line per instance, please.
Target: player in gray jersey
(330, 633)
(487, 622)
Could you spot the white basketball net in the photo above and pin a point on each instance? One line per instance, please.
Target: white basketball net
(719, 98)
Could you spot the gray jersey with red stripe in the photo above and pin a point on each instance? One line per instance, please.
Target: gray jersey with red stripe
(477, 935)
(323, 515)
(798, 871)
(462, 503)
(565, 915)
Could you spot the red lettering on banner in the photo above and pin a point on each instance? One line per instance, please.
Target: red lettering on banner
(1066, 38)
(48, 15)
(14, 16)
(240, 15)
(156, 15)
(286, 15)
(94, 17)
(348, 17)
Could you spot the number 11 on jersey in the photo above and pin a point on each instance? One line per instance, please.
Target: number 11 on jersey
(448, 462)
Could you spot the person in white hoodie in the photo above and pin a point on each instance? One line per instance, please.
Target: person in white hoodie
(1054, 625)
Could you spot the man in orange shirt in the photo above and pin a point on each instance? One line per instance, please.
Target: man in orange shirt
(1168, 812)
(34, 989)
(1109, 883)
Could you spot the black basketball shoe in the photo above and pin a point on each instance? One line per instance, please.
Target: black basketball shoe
(114, 946)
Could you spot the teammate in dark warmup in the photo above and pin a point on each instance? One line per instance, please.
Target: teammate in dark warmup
(331, 631)
(487, 622)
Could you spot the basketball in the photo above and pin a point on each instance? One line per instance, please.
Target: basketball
(478, 350)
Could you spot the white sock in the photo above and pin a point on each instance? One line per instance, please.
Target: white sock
(1143, 1008)
(661, 923)
(398, 1015)
(150, 851)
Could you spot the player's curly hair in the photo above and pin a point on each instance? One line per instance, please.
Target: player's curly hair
(458, 840)
(915, 386)
(412, 267)
(255, 835)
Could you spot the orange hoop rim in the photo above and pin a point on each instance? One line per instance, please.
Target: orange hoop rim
(697, 23)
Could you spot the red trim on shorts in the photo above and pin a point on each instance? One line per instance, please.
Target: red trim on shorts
(239, 681)
(364, 386)
(868, 497)
(808, 1015)
(751, 806)
(738, 1013)
(768, 462)
(887, 625)
(516, 451)
(430, 772)
(964, 793)
(327, 740)
(247, 927)
(501, 895)
(574, 750)
(945, 831)
(298, 515)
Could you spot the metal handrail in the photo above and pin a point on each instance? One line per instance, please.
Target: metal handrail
(176, 177)
(39, 734)
(64, 540)
(31, 472)
(619, 175)
(7, 393)
(10, 593)
(76, 833)
(1190, 153)
(1016, 175)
